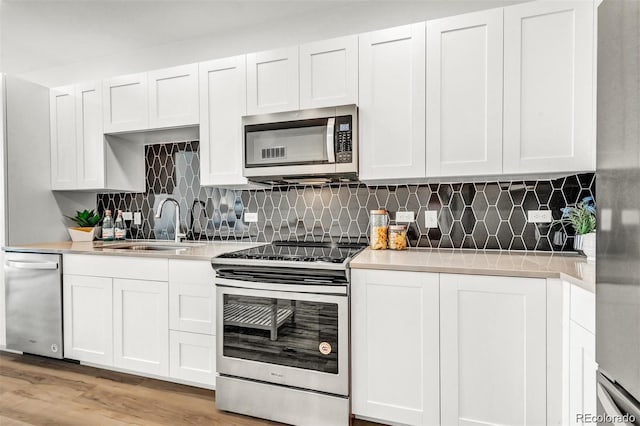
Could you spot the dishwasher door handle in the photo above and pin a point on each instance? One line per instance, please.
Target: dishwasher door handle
(32, 265)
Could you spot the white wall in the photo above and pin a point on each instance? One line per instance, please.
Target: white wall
(336, 19)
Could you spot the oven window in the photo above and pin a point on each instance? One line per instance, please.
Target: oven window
(292, 333)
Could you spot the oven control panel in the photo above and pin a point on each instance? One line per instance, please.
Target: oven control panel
(343, 139)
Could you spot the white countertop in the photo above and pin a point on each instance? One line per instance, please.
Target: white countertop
(573, 268)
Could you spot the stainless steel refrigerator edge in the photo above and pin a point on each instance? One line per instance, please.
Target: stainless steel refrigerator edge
(618, 197)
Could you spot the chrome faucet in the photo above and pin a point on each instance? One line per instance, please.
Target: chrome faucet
(179, 235)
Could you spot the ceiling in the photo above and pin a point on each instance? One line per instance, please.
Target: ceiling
(40, 35)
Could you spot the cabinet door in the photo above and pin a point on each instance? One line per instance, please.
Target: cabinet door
(549, 87)
(141, 326)
(582, 373)
(464, 94)
(492, 350)
(392, 103)
(125, 105)
(88, 319)
(223, 102)
(394, 334)
(63, 138)
(192, 296)
(89, 136)
(329, 73)
(173, 97)
(272, 81)
(193, 357)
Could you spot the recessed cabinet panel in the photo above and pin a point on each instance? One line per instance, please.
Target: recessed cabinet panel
(492, 337)
(395, 367)
(173, 97)
(90, 138)
(464, 95)
(192, 297)
(272, 81)
(88, 319)
(63, 138)
(582, 372)
(549, 87)
(223, 102)
(126, 103)
(141, 326)
(193, 357)
(329, 73)
(392, 103)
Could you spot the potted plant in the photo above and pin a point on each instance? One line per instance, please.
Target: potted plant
(582, 217)
(86, 229)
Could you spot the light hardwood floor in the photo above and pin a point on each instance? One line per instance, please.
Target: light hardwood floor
(40, 391)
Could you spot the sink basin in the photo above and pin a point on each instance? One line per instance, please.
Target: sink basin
(150, 246)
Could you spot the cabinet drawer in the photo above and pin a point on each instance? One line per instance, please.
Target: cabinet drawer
(192, 357)
(191, 272)
(136, 268)
(583, 308)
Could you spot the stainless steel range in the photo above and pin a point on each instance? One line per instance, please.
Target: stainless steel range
(283, 332)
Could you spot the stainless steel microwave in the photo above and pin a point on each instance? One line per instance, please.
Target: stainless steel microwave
(306, 146)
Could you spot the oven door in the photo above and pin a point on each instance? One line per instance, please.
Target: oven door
(285, 337)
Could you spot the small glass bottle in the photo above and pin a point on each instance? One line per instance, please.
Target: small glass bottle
(120, 230)
(379, 225)
(398, 237)
(107, 226)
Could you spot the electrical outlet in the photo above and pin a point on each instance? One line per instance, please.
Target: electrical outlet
(539, 216)
(137, 218)
(405, 217)
(431, 219)
(250, 217)
(127, 215)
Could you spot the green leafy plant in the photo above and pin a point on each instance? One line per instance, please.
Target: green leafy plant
(582, 217)
(85, 218)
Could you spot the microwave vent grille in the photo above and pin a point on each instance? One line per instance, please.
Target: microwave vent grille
(273, 152)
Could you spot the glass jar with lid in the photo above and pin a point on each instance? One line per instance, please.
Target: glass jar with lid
(398, 237)
(379, 227)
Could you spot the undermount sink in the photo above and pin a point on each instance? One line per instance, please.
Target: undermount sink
(150, 246)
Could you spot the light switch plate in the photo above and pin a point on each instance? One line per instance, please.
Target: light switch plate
(250, 217)
(405, 217)
(539, 216)
(431, 219)
(127, 215)
(137, 218)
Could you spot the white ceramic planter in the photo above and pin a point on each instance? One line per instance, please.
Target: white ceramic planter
(587, 244)
(80, 234)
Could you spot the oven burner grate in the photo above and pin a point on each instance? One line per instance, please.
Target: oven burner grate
(262, 317)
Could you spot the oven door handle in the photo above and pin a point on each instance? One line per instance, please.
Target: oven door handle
(340, 290)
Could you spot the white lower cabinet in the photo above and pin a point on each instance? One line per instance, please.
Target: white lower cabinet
(141, 326)
(192, 357)
(88, 319)
(395, 366)
(492, 350)
(582, 372)
(192, 296)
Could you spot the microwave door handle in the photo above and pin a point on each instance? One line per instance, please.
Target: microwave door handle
(331, 147)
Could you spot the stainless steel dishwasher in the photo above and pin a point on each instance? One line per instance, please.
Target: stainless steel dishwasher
(33, 290)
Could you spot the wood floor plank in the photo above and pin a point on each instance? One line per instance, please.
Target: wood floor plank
(36, 391)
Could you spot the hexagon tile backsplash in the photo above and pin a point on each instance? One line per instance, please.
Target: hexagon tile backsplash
(487, 215)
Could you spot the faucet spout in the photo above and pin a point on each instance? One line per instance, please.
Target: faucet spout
(179, 235)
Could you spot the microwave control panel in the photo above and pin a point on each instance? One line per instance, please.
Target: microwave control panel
(343, 139)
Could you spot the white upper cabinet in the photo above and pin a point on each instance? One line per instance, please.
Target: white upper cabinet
(222, 105)
(329, 73)
(126, 103)
(392, 103)
(272, 81)
(394, 326)
(173, 97)
(464, 94)
(549, 87)
(89, 136)
(63, 138)
(492, 350)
